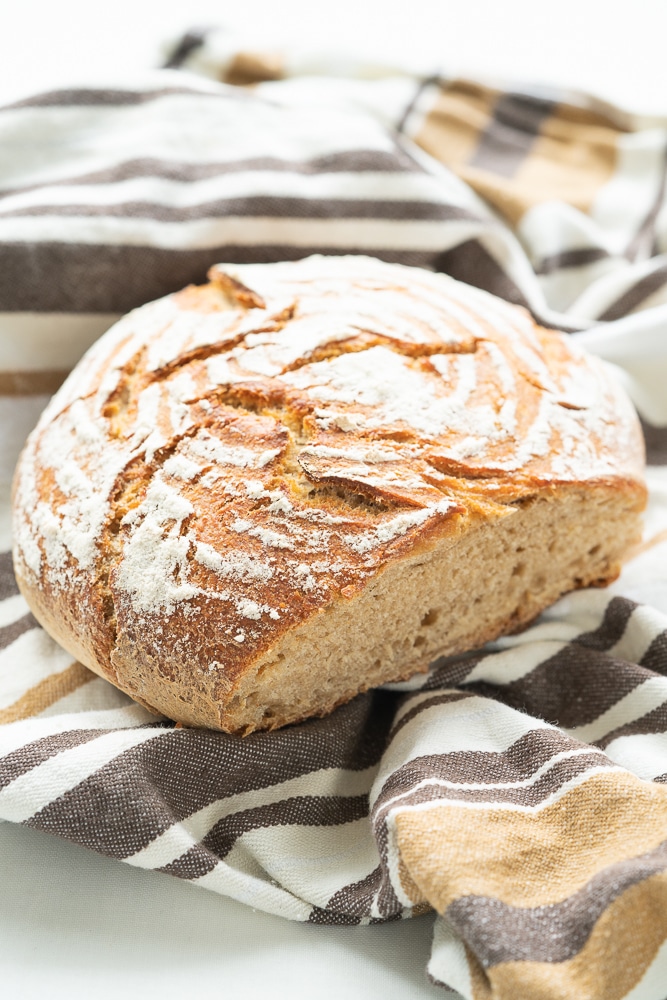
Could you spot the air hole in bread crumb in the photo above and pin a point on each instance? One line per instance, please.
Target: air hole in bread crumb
(430, 618)
(594, 551)
(267, 666)
(419, 641)
(519, 569)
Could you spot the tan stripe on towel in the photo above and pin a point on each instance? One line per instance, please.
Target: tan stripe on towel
(621, 947)
(46, 693)
(534, 858)
(247, 68)
(31, 383)
(452, 128)
(573, 156)
(569, 162)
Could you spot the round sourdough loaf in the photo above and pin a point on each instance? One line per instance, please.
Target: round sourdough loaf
(254, 499)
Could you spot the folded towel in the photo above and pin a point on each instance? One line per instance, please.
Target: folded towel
(520, 791)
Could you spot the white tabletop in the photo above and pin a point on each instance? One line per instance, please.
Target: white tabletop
(73, 924)
(608, 47)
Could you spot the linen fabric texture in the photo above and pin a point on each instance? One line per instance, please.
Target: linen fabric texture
(520, 790)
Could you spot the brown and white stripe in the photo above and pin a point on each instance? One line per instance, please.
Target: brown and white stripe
(136, 215)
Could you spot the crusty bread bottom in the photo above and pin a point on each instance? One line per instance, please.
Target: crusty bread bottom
(471, 587)
(489, 581)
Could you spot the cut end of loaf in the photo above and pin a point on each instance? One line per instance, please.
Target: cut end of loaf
(490, 581)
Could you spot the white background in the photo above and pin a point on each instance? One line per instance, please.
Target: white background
(615, 48)
(76, 925)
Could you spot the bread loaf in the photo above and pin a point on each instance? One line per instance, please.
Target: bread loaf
(256, 498)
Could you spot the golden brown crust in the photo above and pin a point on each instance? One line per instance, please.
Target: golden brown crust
(229, 463)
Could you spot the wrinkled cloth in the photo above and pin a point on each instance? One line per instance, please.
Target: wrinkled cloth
(519, 790)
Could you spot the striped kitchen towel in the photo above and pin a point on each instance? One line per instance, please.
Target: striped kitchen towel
(520, 790)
